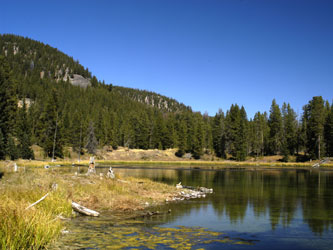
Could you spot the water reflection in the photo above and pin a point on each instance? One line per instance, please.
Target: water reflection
(272, 209)
(282, 195)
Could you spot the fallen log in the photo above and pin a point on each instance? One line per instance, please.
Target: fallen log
(83, 210)
(33, 204)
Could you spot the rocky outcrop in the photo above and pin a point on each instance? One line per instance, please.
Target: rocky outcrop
(79, 80)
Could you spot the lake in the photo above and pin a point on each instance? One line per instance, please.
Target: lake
(249, 209)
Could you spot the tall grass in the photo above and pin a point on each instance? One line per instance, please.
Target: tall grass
(36, 227)
(26, 229)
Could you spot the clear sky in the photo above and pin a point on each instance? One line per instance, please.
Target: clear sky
(206, 54)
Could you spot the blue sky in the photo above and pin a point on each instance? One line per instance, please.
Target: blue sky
(206, 54)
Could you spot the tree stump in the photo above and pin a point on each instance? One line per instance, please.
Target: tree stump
(91, 168)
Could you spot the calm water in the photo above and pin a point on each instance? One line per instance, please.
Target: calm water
(264, 209)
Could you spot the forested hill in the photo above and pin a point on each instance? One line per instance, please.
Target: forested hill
(63, 96)
(152, 99)
(33, 59)
(49, 99)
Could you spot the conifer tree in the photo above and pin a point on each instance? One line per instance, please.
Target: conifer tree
(11, 149)
(218, 134)
(329, 132)
(182, 135)
(314, 115)
(241, 136)
(275, 126)
(8, 106)
(49, 126)
(260, 130)
(233, 121)
(23, 134)
(289, 138)
(91, 145)
(198, 139)
(2, 146)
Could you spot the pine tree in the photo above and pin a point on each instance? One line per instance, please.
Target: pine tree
(289, 138)
(91, 145)
(260, 130)
(182, 135)
(23, 134)
(218, 134)
(275, 126)
(11, 149)
(198, 139)
(329, 132)
(314, 115)
(241, 136)
(49, 127)
(8, 107)
(2, 146)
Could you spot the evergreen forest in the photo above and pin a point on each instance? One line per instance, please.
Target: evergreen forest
(41, 105)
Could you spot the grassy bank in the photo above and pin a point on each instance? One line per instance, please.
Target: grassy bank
(198, 164)
(216, 164)
(36, 227)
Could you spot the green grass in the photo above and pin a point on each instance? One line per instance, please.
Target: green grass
(182, 163)
(216, 164)
(36, 227)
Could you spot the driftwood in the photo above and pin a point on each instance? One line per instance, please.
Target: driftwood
(33, 204)
(317, 165)
(83, 210)
(110, 173)
(15, 167)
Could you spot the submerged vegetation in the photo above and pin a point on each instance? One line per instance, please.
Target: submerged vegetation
(36, 227)
(134, 236)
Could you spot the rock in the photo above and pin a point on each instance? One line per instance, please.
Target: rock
(79, 80)
(205, 190)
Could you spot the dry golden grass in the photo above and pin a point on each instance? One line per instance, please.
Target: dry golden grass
(36, 227)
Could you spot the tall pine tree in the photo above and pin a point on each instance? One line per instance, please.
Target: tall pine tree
(275, 128)
(314, 115)
(8, 107)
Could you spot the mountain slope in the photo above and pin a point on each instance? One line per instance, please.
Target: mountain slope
(33, 59)
(117, 116)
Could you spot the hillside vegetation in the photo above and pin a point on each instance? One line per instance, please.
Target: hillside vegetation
(50, 100)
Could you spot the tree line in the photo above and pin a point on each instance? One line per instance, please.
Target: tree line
(55, 114)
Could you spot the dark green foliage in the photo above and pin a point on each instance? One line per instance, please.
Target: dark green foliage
(23, 134)
(241, 142)
(275, 128)
(260, 130)
(91, 145)
(236, 132)
(2, 146)
(289, 138)
(329, 132)
(49, 126)
(182, 135)
(59, 114)
(8, 109)
(198, 138)
(314, 116)
(11, 149)
(219, 135)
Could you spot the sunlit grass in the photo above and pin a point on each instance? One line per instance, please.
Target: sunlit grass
(36, 227)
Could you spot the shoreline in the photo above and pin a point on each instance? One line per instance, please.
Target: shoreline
(127, 196)
(38, 226)
(204, 165)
